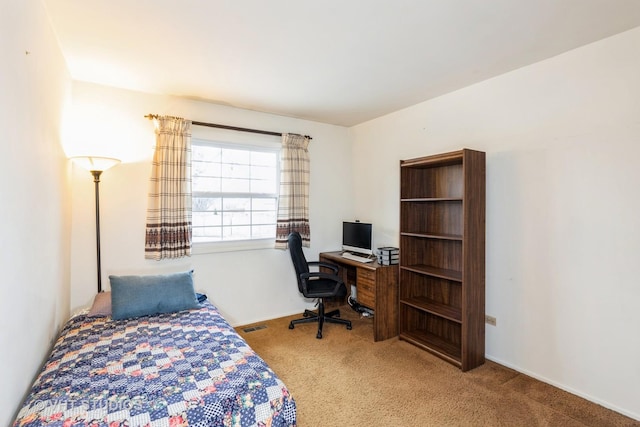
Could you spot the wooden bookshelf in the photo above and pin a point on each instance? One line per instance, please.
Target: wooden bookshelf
(442, 255)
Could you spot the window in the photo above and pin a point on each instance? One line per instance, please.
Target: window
(234, 191)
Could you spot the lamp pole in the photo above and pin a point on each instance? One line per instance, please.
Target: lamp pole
(96, 165)
(96, 180)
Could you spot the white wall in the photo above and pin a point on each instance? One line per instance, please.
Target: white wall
(34, 186)
(563, 236)
(247, 286)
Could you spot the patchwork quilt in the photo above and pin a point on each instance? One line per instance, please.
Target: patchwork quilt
(189, 368)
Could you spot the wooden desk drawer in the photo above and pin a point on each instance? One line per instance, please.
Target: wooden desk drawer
(366, 277)
(366, 298)
(365, 283)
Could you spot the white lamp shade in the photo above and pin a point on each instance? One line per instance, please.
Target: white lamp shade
(93, 163)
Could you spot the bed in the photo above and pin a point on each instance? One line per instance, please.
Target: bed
(185, 368)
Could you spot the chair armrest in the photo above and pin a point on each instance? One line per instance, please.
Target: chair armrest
(321, 275)
(333, 267)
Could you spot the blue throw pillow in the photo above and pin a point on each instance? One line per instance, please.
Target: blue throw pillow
(134, 296)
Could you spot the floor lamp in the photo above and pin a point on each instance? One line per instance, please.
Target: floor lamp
(96, 165)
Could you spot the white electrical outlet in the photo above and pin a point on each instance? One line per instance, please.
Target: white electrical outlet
(490, 320)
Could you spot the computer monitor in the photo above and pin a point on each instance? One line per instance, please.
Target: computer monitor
(356, 237)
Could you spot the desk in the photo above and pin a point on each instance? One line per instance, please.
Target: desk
(377, 288)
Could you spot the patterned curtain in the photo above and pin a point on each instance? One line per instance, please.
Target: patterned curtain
(293, 202)
(168, 233)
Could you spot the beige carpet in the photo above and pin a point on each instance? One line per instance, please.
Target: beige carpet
(346, 379)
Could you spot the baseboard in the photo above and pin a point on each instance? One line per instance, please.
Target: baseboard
(565, 388)
(279, 316)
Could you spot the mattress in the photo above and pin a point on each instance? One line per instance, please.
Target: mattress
(188, 368)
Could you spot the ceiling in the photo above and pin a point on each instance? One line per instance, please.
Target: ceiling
(334, 61)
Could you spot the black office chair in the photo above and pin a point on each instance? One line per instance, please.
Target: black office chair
(318, 285)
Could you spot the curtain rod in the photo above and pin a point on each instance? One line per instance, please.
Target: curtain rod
(239, 129)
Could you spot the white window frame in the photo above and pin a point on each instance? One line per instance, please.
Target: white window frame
(238, 245)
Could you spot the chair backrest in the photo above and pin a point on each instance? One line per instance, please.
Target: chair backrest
(297, 256)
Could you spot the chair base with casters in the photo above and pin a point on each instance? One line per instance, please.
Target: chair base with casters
(321, 317)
